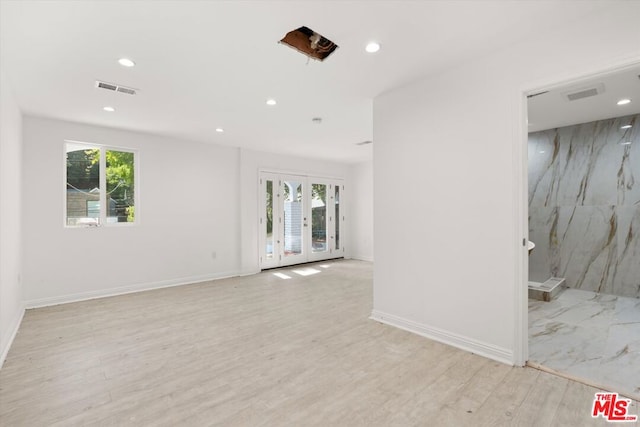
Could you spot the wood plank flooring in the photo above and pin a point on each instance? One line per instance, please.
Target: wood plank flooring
(263, 351)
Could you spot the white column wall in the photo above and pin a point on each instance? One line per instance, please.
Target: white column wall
(360, 205)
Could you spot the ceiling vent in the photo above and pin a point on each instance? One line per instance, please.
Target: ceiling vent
(310, 43)
(584, 92)
(116, 88)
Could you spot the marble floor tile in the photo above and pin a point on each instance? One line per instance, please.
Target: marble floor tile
(588, 335)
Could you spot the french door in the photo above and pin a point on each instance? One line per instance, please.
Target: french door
(300, 219)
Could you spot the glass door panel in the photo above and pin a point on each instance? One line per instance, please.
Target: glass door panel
(293, 219)
(322, 211)
(120, 186)
(83, 185)
(338, 218)
(268, 221)
(319, 218)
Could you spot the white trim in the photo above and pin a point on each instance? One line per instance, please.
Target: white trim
(490, 351)
(249, 273)
(299, 174)
(521, 213)
(128, 289)
(102, 145)
(360, 258)
(14, 331)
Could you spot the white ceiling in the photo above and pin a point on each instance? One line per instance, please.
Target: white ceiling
(208, 64)
(552, 109)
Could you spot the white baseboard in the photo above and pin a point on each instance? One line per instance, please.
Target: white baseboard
(490, 351)
(249, 273)
(361, 258)
(14, 331)
(128, 289)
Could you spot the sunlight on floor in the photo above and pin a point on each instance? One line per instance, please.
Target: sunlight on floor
(306, 271)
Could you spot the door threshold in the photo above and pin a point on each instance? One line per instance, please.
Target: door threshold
(302, 263)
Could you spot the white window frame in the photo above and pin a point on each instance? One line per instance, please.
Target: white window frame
(103, 184)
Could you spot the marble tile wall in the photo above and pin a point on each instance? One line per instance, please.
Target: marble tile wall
(584, 206)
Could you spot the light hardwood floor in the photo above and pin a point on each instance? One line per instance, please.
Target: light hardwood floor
(262, 350)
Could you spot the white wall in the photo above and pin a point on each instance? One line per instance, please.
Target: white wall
(194, 199)
(11, 306)
(251, 162)
(360, 208)
(449, 166)
(189, 200)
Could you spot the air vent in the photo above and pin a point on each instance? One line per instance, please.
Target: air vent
(103, 85)
(584, 92)
(126, 90)
(115, 88)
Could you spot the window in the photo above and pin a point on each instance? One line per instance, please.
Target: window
(93, 208)
(100, 185)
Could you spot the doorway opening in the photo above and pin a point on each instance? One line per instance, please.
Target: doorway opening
(300, 219)
(583, 173)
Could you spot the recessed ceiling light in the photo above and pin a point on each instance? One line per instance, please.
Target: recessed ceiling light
(626, 143)
(219, 130)
(542, 152)
(624, 101)
(126, 62)
(626, 127)
(109, 109)
(372, 47)
(271, 102)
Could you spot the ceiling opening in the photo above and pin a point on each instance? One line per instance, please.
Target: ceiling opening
(309, 43)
